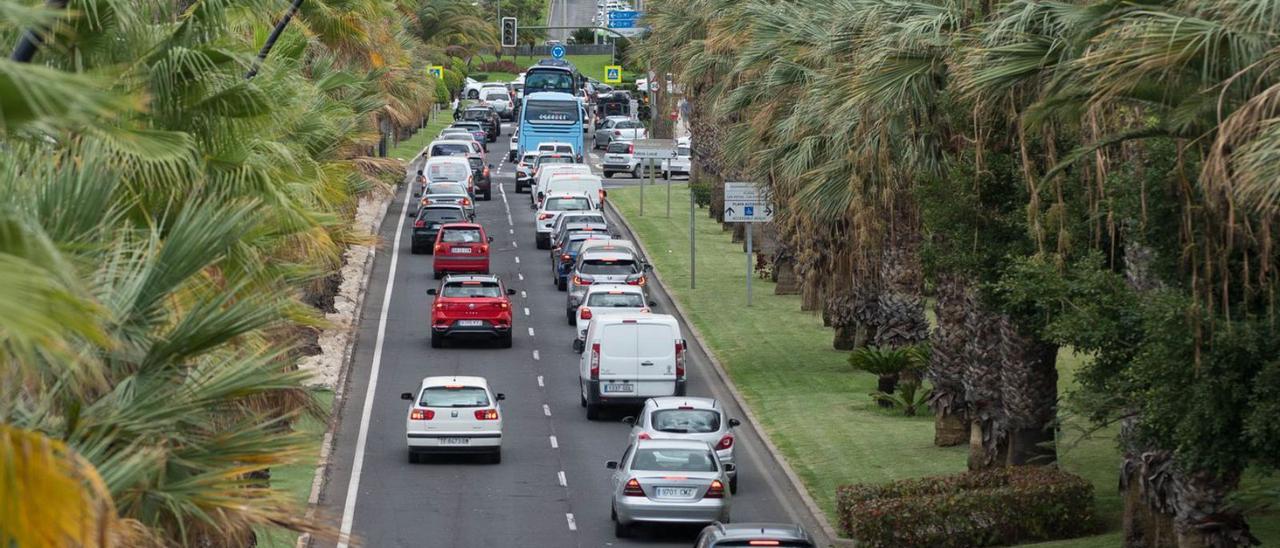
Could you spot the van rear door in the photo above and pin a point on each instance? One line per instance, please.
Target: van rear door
(655, 359)
(618, 359)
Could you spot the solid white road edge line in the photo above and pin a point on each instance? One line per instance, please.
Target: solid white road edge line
(357, 465)
(560, 476)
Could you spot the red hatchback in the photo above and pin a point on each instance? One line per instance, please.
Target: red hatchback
(461, 247)
(471, 306)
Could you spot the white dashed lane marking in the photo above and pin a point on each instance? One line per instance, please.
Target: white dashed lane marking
(526, 311)
(546, 410)
(517, 260)
(573, 525)
(563, 481)
(541, 385)
(521, 276)
(530, 331)
(536, 356)
(555, 444)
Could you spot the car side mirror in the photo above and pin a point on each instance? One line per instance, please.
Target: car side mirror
(579, 346)
(734, 423)
(500, 396)
(612, 465)
(648, 267)
(490, 239)
(629, 420)
(431, 291)
(653, 303)
(406, 396)
(729, 467)
(511, 292)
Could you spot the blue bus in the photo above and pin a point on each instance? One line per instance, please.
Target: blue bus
(550, 116)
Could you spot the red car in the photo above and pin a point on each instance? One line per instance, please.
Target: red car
(471, 306)
(461, 247)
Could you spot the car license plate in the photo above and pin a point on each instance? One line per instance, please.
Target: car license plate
(470, 323)
(613, 158)
(461, 441)
(615, 387)
(675, 492)
(462, 250)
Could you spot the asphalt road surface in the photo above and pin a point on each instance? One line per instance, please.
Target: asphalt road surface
(552, 488)
(570, 13)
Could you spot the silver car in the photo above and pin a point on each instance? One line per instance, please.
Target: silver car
(680, 418)
(603, 265)
(668, 481)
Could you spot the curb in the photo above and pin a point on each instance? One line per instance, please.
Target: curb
(321, 476)
(815, 513)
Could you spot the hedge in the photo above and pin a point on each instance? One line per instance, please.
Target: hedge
(1001, 506)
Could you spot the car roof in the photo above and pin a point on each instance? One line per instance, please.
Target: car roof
(771, 531)
(550, 96)
(459, 379)
(569, 195)
(572, 177)
(666, 443)
(676, 402)
(451, 142)
(615, 242)
(443, 206)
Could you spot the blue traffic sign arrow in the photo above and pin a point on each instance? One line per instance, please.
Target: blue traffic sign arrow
(622, 24)
(557, 51)
(624, 15)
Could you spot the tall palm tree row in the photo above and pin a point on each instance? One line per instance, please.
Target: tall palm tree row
(165, 223)
(1090, 174)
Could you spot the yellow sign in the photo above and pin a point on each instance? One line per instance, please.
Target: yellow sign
(436, 71)
(613, 74)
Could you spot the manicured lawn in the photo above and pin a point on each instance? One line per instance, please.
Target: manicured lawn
(814, 406)
(296, 478)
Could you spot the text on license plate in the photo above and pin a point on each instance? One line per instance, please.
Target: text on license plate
(675, 492)
(462, 250)
(470, 323)
(466, 441)
(618, 387)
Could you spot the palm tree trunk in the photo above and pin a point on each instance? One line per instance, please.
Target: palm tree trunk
(988, 433)
(947, 362)
(1029, 388)
(271, 39)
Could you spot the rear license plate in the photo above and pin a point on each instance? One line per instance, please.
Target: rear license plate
(462, 441)
(470, 323)
(461, 250)
(675, 492)
(615, 387)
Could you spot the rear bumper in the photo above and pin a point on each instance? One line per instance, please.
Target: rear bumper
(543, 238)
(633, 509)
(449, 264)
(617, 167)
(477, 442)
(595, 397)
(487, 329)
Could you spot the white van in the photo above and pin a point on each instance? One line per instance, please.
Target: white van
(590, 185)
(545, 173)
(629, 358)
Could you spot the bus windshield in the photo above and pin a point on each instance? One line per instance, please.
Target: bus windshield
(548, 80)
(551, 112)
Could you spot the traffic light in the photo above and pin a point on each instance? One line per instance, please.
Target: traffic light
(508, 32)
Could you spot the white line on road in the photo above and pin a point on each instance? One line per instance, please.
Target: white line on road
(530, 331)
(555, 444)
(526, 311)
(357, 465)
(560, 476)
(536, 356)
(524, 295)
(517, 260)
(521, 276)
(515, 244)
(546, 410)
(573, 525)
(541, 385)
(511, 230)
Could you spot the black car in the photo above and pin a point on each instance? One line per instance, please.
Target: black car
(427, 223)
(487, 118)
(481, 175)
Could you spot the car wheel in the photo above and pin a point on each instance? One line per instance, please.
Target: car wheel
(666, 175)
(733, 485)
(621, 530)
(637, 173)
(582, 395)
(593, 411)
(505, 341)
(568, 315)
(437, 340)
(496, 457)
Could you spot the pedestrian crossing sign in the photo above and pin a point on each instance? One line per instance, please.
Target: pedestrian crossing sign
(613, 74)
(436, 71)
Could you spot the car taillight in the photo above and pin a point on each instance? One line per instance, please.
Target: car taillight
(503, 306)
(680, 359)
(637, 281)
(486, 414)
(577, 280)
(439, 306)
(595, 361)
(544, 216)
(725, 442)
(643, 436)
(466, 201)
(633, 489)
(422, 415)
(584, 313)
(764, 543)
(419, 224)
(484, 248)
(439, 248)
(716, 491)
(566, 258)
(631, 149)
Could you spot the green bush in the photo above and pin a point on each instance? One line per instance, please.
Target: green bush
(1003, 506)
(442, 93)
(701, 193)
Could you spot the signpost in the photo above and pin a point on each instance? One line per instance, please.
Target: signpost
(436, 71)
(613, 74)
(557, 51)
(652, 151)
(747, 203)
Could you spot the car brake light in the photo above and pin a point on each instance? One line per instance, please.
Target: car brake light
(486, 414)
(637, 281)
(565, 257)
(422, 415)
(595, 361)
(503, 305)
(584, 313)
(725, 443)
(484, 248)
(544, 216)
(466, 201)
(643, 436)
(577, 280)
(419, 224)
(680, 359)
(439, 248)
(716, 491)
(631, 149)
(439, 306)
(633, 489)
(764, 543)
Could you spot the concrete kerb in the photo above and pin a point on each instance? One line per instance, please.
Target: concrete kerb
(816, 513)
(321, 475)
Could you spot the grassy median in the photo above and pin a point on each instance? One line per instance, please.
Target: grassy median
(298, 477)
(814, 406)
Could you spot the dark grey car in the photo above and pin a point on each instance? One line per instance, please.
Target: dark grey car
(785, 535)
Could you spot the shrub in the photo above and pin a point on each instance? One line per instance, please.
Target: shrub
(1002, 506)
(501, 66)
(442, 93)
(701, 193)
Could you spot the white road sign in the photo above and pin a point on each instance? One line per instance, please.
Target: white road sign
(654, 149)
(746, 203)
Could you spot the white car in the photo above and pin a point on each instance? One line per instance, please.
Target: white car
(471, 88)
(513, 145)
(454, 415)
(606, 299)
(541, 176)
(552, 207)
(500, 100)
(682, 164)
(619, 157)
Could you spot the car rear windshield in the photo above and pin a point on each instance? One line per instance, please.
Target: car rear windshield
(446, 172)
(475, 115)
(529, 159)
(628, 124)
(684, 151)
(674, 460)
(619, 147)
(442, 214)
(462, 396)
(548, 160)
(685, 421)
(476, 163)
(608, 267)
(469, 126)
(445, 188)
(575, 244)
(621, 299)
(563, 149)
(471, 290)
(497, 97)
(764, 541)
(461, 236)
(450, 149)
(577, 203)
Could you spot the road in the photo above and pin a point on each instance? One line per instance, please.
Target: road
(551, 489)
(569, 13)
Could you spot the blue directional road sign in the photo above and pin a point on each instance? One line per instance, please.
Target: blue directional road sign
(621, 24)
(557, 51)
(624, 14)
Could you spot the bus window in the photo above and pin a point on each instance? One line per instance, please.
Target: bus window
(554, 112)
(548, 81)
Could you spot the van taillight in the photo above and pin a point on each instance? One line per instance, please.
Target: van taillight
(584, 313)
(633, 489)
(680, 359)
(595, 361)
(422, 415)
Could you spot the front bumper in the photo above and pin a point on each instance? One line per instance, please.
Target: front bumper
(431, 442)
(633, 509)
